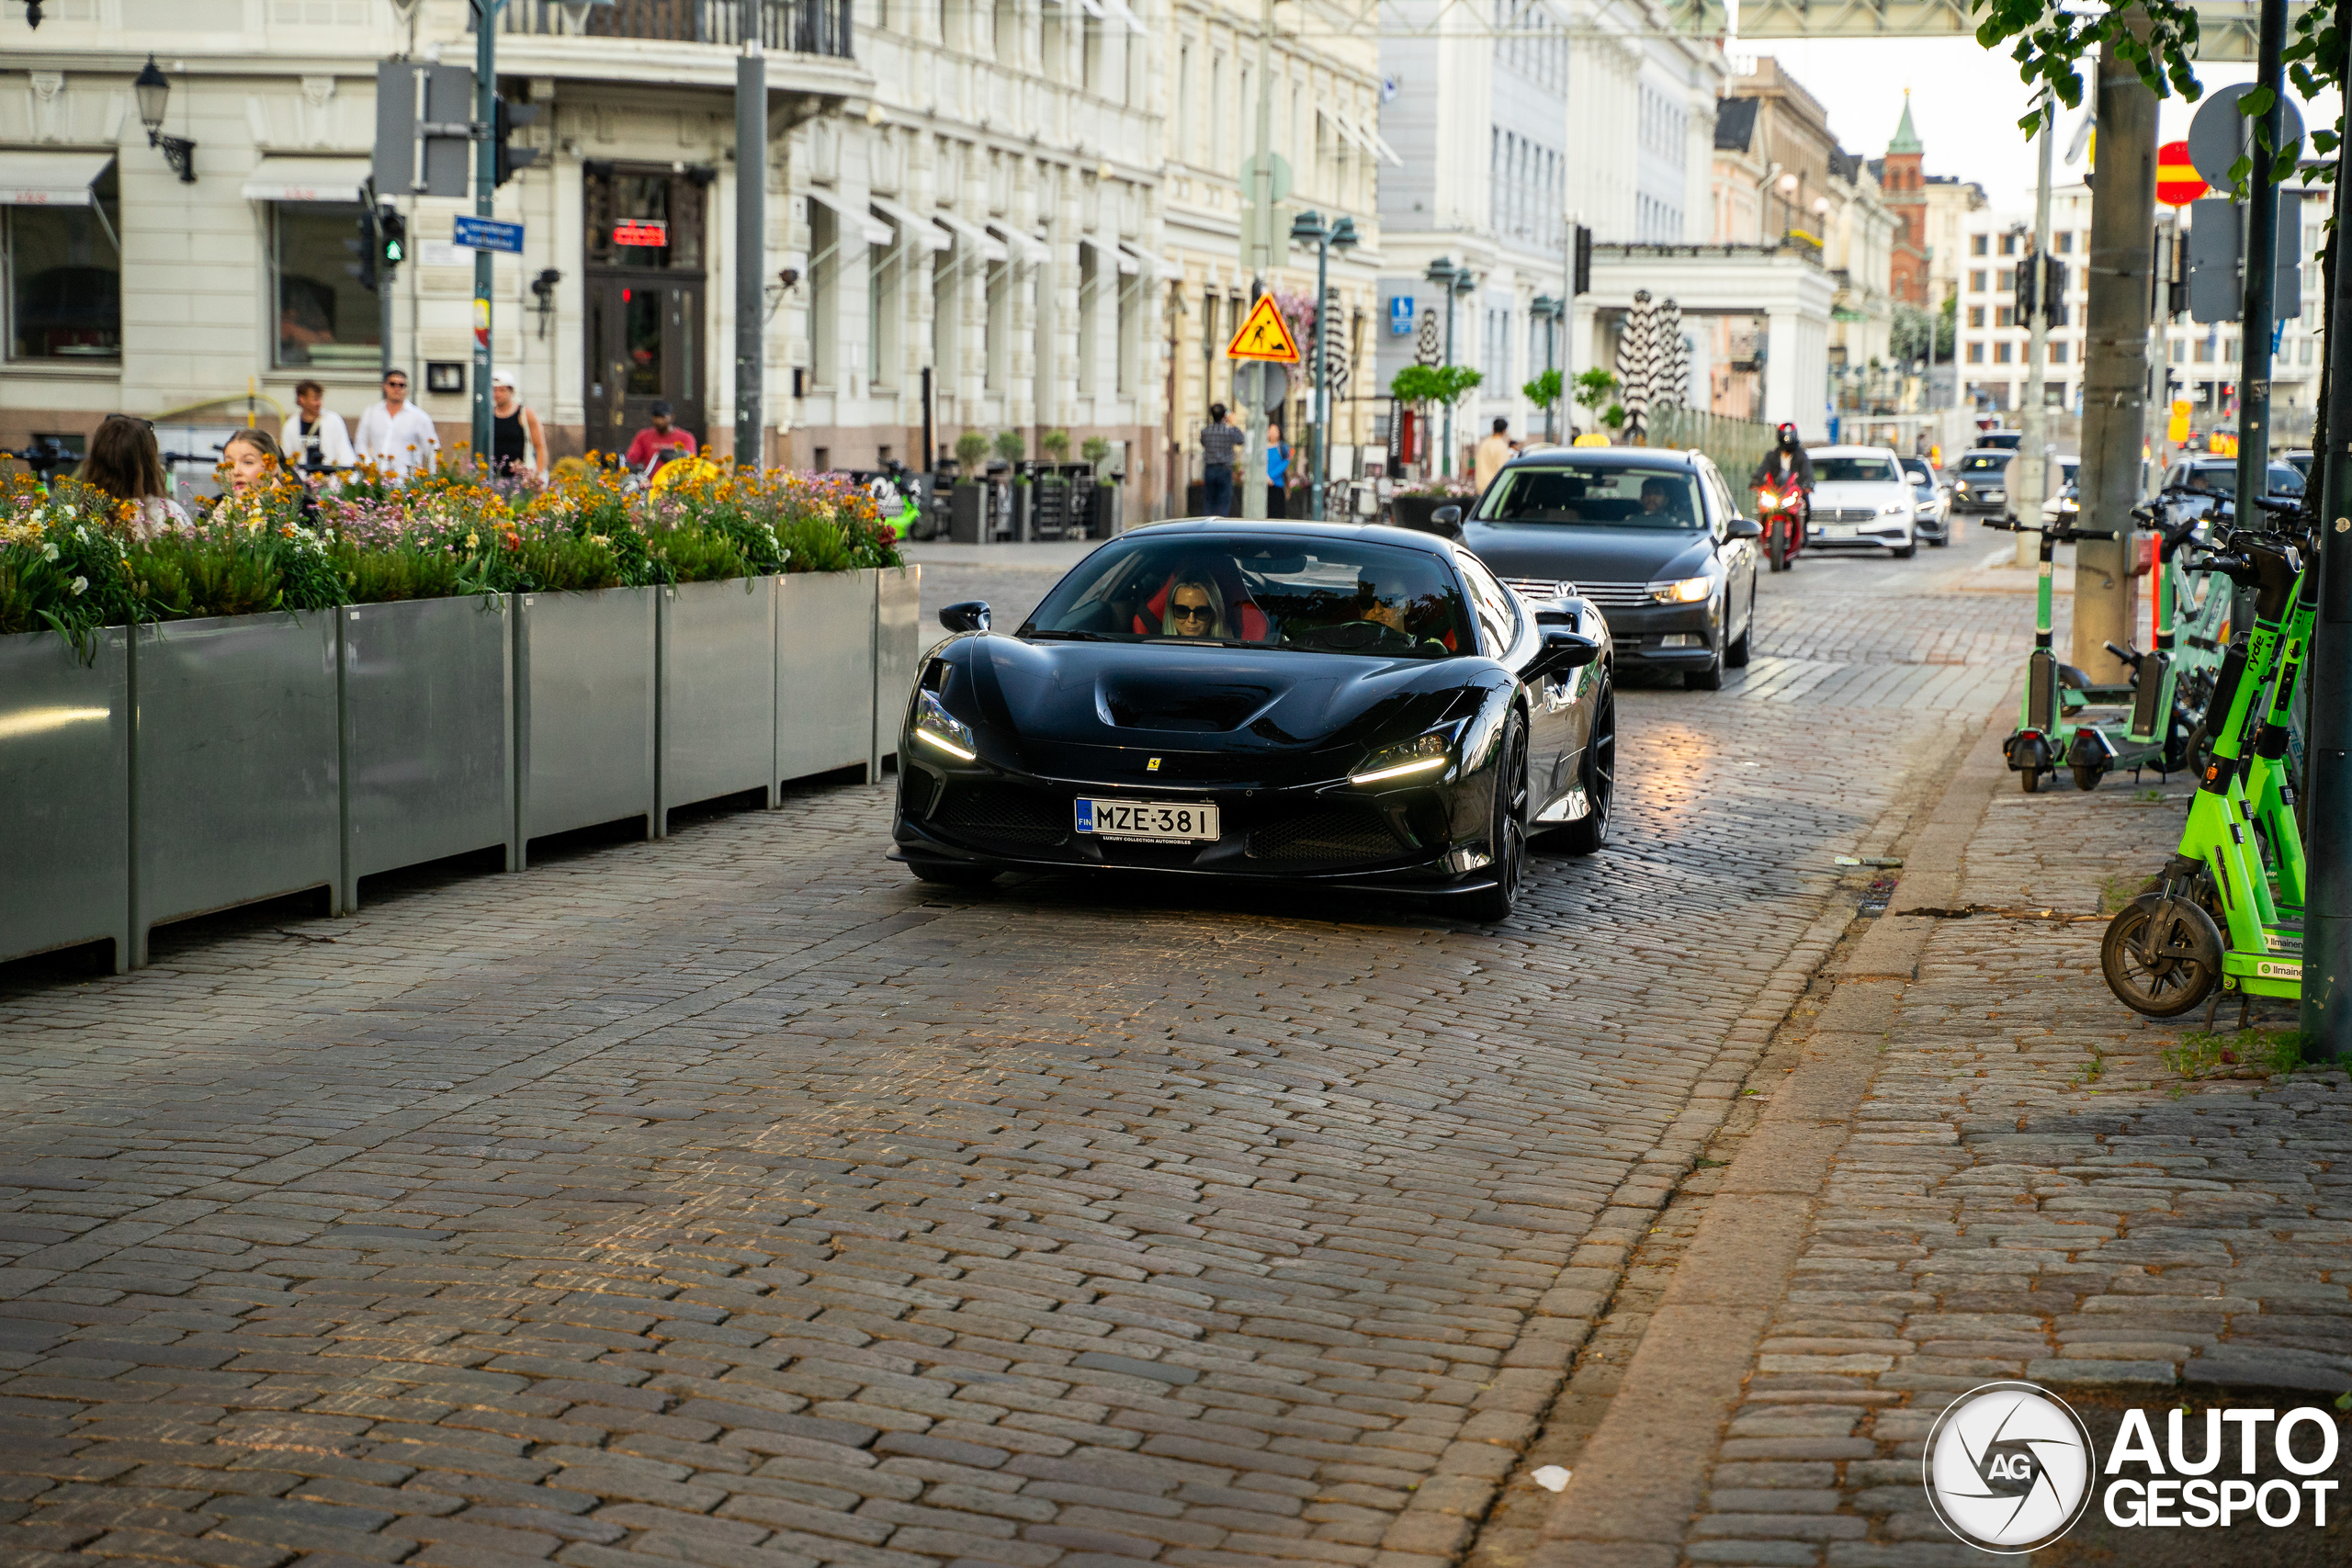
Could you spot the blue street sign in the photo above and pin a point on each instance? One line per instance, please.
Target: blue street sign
(1400, 315)
(488, 234)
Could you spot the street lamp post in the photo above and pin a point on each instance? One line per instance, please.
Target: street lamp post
(1307, 229)
(1454, 280)
(153, 90)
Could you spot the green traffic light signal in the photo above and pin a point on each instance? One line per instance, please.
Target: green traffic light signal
(392, 232)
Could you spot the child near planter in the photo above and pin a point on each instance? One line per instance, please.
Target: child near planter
(125, 462)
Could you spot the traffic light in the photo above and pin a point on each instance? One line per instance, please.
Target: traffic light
(1583, 262)
(2022, 284)
(391, 236)
(365, 245)
(2054, 289)
(511, 158)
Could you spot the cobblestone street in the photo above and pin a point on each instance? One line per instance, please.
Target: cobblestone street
(735, 1200)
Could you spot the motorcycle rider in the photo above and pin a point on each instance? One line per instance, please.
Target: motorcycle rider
(1786, 472)
(1786, 459)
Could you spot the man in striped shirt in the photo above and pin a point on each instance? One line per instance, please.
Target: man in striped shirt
(1220, 444)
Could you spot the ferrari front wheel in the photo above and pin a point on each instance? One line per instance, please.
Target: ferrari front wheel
(1506, 828)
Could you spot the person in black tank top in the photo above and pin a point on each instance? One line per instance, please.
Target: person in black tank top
(517, 444)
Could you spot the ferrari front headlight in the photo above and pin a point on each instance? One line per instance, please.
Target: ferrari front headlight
(937, 726)
(1684, 591)
(1424, 754)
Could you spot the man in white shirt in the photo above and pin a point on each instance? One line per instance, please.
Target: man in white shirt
(396, 434)
(315, 437)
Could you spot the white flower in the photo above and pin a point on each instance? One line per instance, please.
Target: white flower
(81, 585)
(49, 551)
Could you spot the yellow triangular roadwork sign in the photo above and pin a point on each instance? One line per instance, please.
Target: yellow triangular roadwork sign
(1265, 335)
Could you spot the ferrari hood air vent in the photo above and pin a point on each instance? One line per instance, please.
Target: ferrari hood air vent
(1132, 701)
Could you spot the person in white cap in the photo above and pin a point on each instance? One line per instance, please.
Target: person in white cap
(517, 444)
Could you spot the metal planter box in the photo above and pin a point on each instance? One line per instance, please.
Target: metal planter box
(717, 711)
(428, 718)
(65, 794)
(824, 672)
(584, 710)
(897, 651)
(236, 792)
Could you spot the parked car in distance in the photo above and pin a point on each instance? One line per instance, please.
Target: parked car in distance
(2219, 475)
(1999, 440)
(1931, 502)
(1861, 501)
(2064, 499)
(1652, 537)
(2297, 458)
(1980, 480)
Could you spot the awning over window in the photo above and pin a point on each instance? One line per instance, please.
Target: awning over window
(1159, 266)
(981, 239)
(1034, 251)
(50, 179)
(307, 179)
(875, 231)
(912, 229)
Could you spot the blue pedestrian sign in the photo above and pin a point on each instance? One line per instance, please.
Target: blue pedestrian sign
(1400, 315)
(488, 234)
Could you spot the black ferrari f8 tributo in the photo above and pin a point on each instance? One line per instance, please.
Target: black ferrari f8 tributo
(1357, 707)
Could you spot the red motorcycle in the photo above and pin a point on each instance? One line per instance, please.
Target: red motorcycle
(1780, 508)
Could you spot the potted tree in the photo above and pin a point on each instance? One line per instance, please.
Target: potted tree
(967, 504)
(1545, 393)
(1421, 385)
(1103, 516)
(1050, 506)
(1014, 450)
(1593, 389)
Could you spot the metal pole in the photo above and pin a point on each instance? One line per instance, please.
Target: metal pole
(2032, 486)
(485, 206)
(750, 239)
(1322, 406)
(1446, 449)
(2261, 271)
(2115, 379)
(384, 277)
(2327, 745)
(1258, 235)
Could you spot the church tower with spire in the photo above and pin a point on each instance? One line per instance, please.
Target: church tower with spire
(1904, 181)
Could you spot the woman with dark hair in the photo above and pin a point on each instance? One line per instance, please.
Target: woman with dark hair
(125, 463)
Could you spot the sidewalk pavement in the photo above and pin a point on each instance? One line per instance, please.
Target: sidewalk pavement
(1960, 1161)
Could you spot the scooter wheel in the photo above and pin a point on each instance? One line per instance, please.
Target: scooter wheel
(2029, 781)
(2087, 779)
(2162, 955)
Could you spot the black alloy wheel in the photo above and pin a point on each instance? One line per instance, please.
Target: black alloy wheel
(1589, 832)
(2162, 955)
(1507, 831)
(1739, 652)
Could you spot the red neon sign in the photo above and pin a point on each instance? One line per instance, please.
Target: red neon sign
(651, 232)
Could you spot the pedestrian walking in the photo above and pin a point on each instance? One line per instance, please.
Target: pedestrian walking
(125, 463)
(659, 437)
(517, 444)
(1220, 444)
(314, 437)
(396, 436)
(1491, 455)
(1277, 470)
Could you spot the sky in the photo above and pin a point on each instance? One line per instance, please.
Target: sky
(1965, 102)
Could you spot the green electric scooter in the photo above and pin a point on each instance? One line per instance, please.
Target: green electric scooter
(2165, 951)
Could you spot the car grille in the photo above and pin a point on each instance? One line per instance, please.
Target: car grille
(1003, 813)
(1326, 835)
(1847, 514)
(1540, 590)
(1617, 595)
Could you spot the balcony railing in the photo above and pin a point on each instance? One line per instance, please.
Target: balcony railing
(792, 27)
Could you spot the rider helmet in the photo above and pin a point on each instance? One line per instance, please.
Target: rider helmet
(1788, 434)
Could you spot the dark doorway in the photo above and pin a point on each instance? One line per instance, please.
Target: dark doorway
(645, 281)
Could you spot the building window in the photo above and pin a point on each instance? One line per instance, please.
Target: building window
(2009, 244)
(1977, 278)
(2058, 352)
(2005, 280)
(2179, 351)
(2305, 352)
(2005, 316)
(2003, 353)
(65, 278)
(1976, 354)
(326, 320)
(2205, 351)
(1976, 316)
(1976, 244)
(2064, 243)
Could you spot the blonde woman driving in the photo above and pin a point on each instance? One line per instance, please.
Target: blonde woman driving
(1196, 608)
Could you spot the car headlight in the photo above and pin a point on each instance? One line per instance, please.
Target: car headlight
(1962, 486)
(1683, 590)
(936, 726)
(1428, 753)
(2068, 503)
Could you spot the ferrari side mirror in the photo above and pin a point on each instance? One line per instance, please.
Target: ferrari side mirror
(1564, 651)
(971, 615)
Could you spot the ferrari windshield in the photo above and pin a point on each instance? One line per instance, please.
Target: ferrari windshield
(1617, 495)
(1262, 590)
